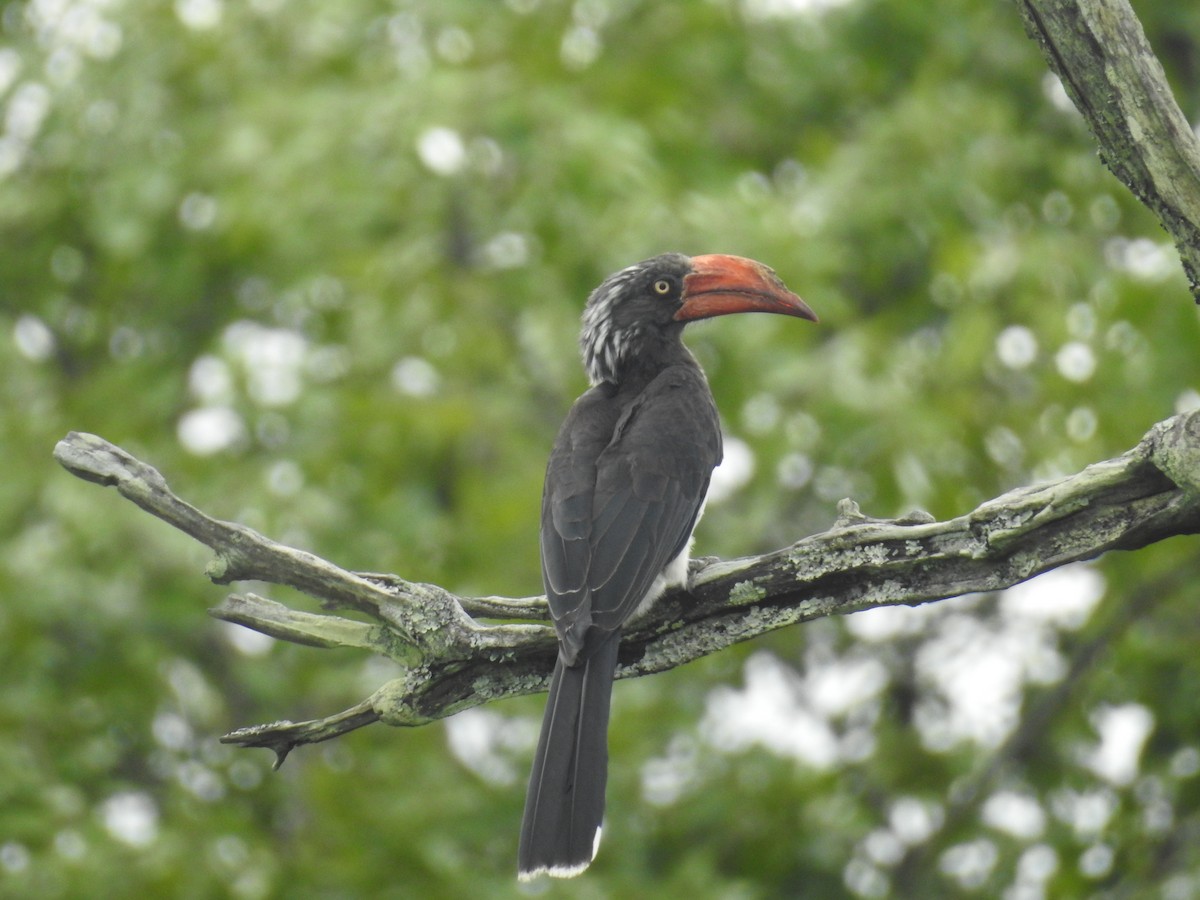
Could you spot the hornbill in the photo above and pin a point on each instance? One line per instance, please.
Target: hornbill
(625, 486)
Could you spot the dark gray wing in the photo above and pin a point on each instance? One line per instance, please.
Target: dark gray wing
(624, 488)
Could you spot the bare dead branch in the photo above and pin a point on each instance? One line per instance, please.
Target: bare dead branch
(1148, 494)
(1098, 50)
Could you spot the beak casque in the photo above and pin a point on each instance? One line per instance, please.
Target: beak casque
(719, 285)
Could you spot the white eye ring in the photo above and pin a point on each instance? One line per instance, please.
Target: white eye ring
(662, 286)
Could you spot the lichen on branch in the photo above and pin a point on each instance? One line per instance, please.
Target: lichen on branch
(451, 660)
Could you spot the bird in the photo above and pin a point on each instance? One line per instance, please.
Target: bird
(625, 486)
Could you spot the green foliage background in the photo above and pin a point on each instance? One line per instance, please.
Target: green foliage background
(353, 240)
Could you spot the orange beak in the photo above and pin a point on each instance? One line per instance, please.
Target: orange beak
(720, 285)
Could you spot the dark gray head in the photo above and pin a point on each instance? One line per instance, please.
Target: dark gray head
(620, 311)
(649, 302)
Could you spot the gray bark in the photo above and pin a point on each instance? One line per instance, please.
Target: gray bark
(1098, 50)
(453, 661)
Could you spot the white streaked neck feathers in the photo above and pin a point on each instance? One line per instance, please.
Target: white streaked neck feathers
(605, 345)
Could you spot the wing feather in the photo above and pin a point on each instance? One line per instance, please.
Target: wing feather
(624, 487)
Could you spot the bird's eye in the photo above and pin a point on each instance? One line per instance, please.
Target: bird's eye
(662, 287)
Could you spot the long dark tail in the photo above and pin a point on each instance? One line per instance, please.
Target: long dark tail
(565, 804)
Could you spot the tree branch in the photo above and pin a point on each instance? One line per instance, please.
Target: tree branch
(452, 662)
(1098, 50)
